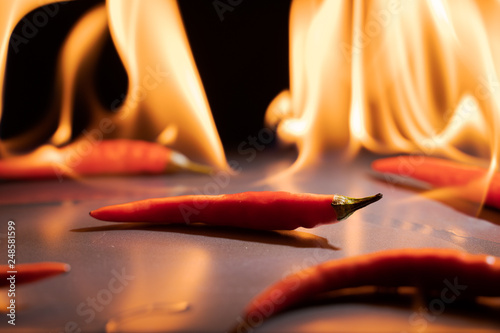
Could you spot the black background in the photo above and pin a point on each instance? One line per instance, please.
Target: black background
(242, 61)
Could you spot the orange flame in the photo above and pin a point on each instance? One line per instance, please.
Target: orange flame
(165, 100)
(388, 75)
(12, 12)
(393, 76)
(164, 84)
(79, 53)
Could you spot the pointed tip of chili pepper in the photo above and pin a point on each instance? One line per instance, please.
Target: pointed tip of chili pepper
(52, 268)
(94, 213)
(47, 269)
(66, 268)
(345, 206)
(113, 213)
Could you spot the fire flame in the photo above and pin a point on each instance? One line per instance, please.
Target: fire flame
(392, 76)
(79, 53)
(153, 45)
(165, 94)
(11, 12)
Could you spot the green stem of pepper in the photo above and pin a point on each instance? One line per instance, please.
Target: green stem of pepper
(345, 206)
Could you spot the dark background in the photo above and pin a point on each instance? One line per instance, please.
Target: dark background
(242, 60)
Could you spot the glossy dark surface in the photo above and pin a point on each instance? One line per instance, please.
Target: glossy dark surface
(199, 278)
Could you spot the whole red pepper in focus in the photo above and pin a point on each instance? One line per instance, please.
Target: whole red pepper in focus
(266, 210)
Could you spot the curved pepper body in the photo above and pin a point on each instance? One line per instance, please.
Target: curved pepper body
(428, 269)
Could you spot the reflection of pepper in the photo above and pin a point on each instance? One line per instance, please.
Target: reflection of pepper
(25, 273)
(83, 158)
(443, 173)
(449, 272)
(256, 210)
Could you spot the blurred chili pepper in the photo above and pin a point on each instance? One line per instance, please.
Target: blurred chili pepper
(443, 173)
(450, 272)
(108, 157)
(257, 210)
(31, 272)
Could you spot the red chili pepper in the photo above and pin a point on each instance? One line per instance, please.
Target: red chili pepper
(256, 210)
(449, 272)
(83, 158)
(31, 272)
(443, 173)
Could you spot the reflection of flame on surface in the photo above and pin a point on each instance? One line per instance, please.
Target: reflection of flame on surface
(165, 100)
(163, 310)
(393, 76)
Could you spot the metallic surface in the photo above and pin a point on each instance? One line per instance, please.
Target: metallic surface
(198, 278)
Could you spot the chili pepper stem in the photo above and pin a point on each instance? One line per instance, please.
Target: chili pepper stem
(345, 206)
(179, 161)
